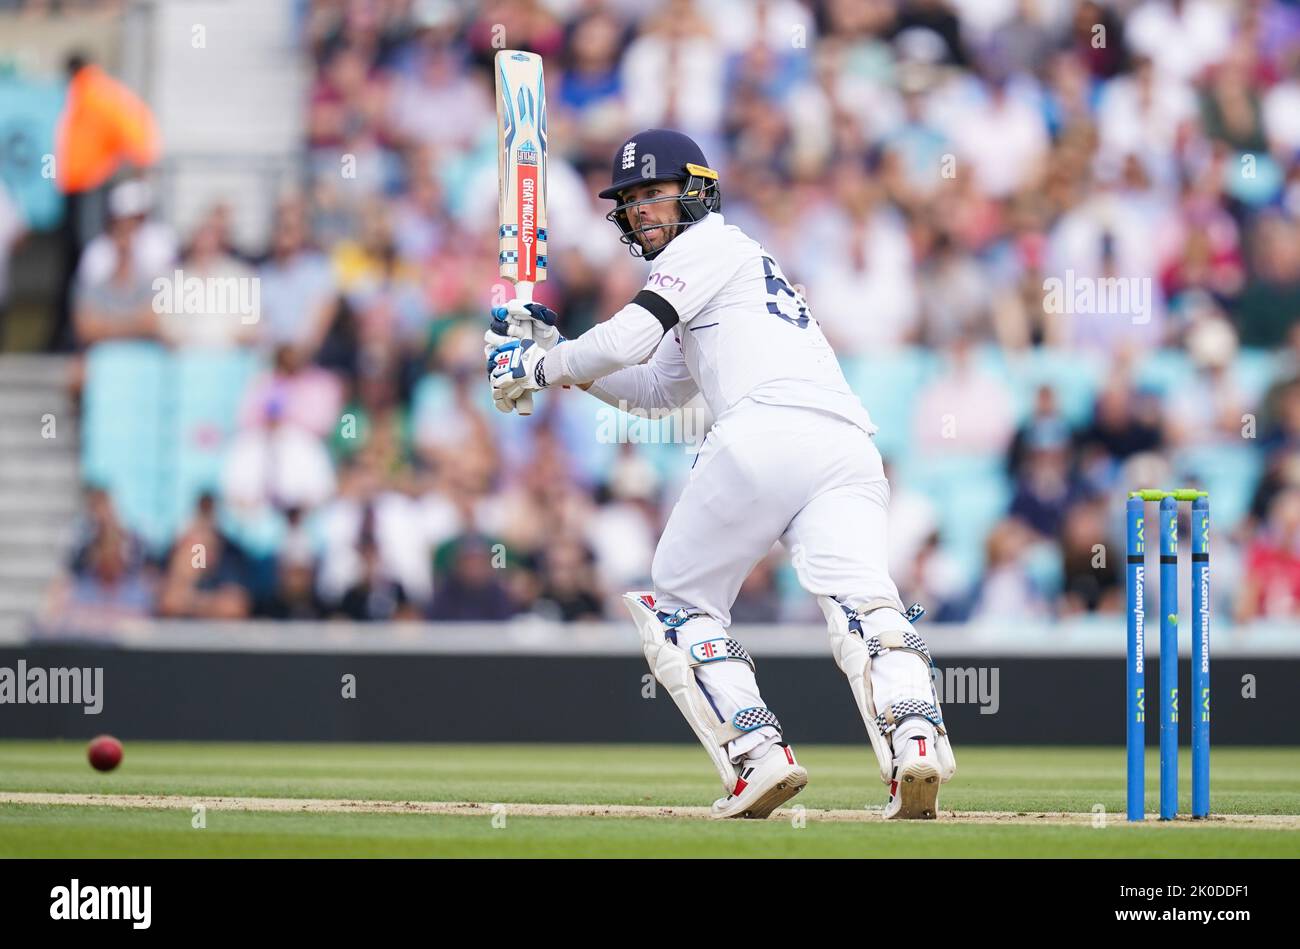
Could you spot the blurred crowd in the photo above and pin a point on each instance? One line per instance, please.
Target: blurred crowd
(920, 167)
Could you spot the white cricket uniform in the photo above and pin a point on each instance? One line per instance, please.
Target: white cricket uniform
(789, 457)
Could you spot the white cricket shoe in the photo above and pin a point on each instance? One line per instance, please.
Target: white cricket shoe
(764, 785)
(914, 790)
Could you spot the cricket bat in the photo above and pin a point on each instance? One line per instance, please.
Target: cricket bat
(521, 177)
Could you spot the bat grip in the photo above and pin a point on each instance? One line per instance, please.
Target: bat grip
(524, 292)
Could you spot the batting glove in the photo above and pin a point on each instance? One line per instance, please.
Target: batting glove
(516, 368)
(541, 319)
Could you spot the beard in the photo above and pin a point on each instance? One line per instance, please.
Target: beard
(662, 233)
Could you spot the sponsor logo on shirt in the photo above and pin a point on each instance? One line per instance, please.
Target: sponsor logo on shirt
(666, 282)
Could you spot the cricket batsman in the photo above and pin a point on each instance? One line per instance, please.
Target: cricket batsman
(790, 457)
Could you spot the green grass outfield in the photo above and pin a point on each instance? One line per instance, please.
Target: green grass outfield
(1025, 781)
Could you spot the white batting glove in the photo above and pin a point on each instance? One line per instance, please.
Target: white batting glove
(516, 368)
(542, 320)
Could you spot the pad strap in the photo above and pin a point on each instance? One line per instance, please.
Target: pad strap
(676, 618)
(748, 719)
(907, 641)
(889, 720)
(719, 650)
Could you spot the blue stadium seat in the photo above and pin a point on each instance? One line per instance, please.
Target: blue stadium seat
(433, 395)
(1256, 370)
(585, 426)
(1075, 376)
(1230, 472)
(888, 385)
(122, 439)
(208, 387)
(971, 494)
(1164, 370)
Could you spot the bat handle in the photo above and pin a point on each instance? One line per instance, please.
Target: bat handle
(524, 292)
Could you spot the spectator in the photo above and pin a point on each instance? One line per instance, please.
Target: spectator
(1013, 158)
(108, 577)
(1008, 589)
(1208, 409)
(153, 245)
(275, 462)
(1143, 113)
(114, 296)
(1094, 21)
(1046, 487)
(1091, 573)
(1271, 584)
(759, 601)
(294, 595)
(442, 104)
(861, 279)
(470, 589)
(966, 409)
(916, 146)
(676, 69)
(208, 575)
(297, 393)
(1282, 390)
(591, 83)
(376, 594)
(1182, 37)
(569, 591)
(623, 529)
(100, 524)
(1125, 422)
(373, 534)
(1281, 114)
(13, 228)
(1270, 304)
(225, 313)
(1045, 415)
(106, 587)
(297, 286)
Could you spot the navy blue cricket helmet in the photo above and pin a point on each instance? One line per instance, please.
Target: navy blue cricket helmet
(661, 155)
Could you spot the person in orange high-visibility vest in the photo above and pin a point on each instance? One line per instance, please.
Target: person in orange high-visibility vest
(103, 125)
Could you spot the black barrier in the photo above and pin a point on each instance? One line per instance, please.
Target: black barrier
(233, 696)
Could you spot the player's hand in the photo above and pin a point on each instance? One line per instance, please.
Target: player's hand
(493, 340)
(498, 335)
(517, 321)
(542, 319)
(516, 368)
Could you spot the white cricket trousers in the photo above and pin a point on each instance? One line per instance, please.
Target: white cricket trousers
(816, 483)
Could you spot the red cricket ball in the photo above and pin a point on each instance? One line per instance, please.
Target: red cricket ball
(104, 752)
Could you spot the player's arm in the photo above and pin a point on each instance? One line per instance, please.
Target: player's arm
(662, 383)
(626, 339)
(678, 289)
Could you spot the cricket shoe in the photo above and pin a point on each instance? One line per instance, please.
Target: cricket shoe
(914, 790)
(764, 785)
